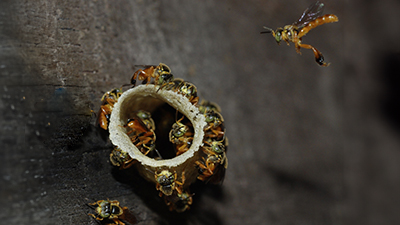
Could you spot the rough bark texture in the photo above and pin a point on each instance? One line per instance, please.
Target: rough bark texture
(308, 145)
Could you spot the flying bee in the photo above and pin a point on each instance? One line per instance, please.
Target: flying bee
(167, 182)
(120, 158)
(179, 202)
(108, 101)
(212, 168)
(161, 74)
(111, 210)
(181, 136)
(311, 18)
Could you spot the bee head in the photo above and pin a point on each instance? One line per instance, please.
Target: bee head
(277, 34)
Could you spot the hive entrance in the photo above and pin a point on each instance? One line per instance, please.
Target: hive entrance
(164, 118)
(153, 134)
(151, 129)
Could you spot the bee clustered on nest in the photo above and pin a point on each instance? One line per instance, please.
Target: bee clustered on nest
(146, 132)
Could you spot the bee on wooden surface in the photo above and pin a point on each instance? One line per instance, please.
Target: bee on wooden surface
(181, 136)
(108, 101)
(167, 182)
(111, 210)
(161, 74)
(121, 158)
(179, 202)
(311, 18)
(213, 166)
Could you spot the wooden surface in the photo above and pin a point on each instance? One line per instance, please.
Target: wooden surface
(308, 145)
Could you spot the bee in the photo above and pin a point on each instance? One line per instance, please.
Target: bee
(184, 145)
(121, 158)
(108, 101)
(208, 106)
(172, 85)
(212, 168)
(311, 18)
(181, 136)
(141, 136)
(185, 88)
(161, 74)
(111, 210)
(179, 202)
(189, 91)
(167, 182)
(215, 127)
(146, 118)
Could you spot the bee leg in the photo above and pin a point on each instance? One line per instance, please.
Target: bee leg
(95, 203)
(319, 58)
(159, 157)
(147, 80)
(149, 150)
(128, 164)
(135, 75)
(179, 189)
(297, 46)
(194, 101)
(96, 217)
(118, 222)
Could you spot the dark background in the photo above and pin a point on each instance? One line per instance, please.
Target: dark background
(308, 145)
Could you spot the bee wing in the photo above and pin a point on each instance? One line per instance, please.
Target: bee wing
(218, 176)
(142, 66)
(311, 13)
(141, 123)
(128, 216)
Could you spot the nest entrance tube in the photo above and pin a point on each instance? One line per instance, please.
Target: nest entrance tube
(150, 98)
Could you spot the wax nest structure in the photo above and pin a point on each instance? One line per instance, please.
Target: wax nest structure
(146, 97)
(162, 129)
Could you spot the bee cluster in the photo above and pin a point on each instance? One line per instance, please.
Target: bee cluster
(211, 163)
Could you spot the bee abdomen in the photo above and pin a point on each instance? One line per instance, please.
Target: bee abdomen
(328, 18)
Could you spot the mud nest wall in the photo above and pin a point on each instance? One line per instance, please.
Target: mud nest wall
(307, 144)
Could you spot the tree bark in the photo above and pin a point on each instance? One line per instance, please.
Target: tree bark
(306, 144)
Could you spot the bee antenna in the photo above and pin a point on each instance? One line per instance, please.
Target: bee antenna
(150, 170)
(125, 85)
(176, 116)
(158, 153)
(268, 30)
(90, 205)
